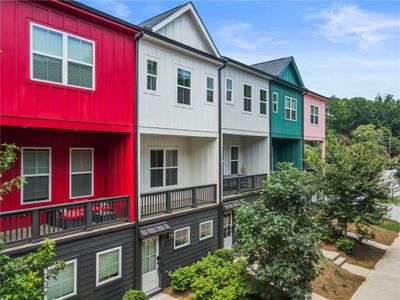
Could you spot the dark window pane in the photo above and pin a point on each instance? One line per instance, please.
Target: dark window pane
(183, 95)
(287, 114)
(172, 158)
(210, 96)
(183, 78)
(79, 75)
(47, 68)
(228, 96)
(81, 185)
(156, 177)
(263, 108)
(234, 153)
(229, 84)
(247, 105)
(36, 189)
(171, 177)
(156, 158)
(316, 120)
(210, 83)
(293, 115)
(234, 167)
(151, 83)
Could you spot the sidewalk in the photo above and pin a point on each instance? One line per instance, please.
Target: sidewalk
(384, 281)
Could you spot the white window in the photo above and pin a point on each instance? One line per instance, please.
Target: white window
(275, 102)
(184, 86)
(181, 237)
(36, 166)
(290, 109)
(163, 167)
(65, 283)
(263, 102)
(210, 89)
(229, 90)
(314, 114)
(206, 230)
(81, 176)
(247, 97)
(108, 265)
(234, 160)
(151, 75)
(61, 58)
(227, 225)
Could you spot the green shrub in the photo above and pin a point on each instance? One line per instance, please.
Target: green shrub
(182, 278)
(345, 244)
(135, 295)
(330, 233)
(364, 232)
(225, 254)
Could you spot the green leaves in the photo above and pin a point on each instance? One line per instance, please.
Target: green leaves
(8, 156)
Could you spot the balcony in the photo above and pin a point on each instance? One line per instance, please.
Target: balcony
(31, 225)
(175, 199)
(238, 184)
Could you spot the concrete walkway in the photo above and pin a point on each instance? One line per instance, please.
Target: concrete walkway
(384, 281)
(162, 296)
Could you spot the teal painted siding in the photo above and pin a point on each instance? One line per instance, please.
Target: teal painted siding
(290, 74)
(287, 150)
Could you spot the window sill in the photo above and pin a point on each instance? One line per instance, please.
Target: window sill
(247, 113)
(184, 106)
(229, 103)
(151, 93)
(210, 104)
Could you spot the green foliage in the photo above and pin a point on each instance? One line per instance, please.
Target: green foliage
(135, 295)
(214, 277)
(225, 254)
(8, 156)
(278, 232)
(345, 244)
(391, 225)
(363, 232)
(396, 167)
(22, 277)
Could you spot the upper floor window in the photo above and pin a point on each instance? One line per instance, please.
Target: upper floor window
(229, 90)
(314, 114)
(290, 109)
(263, 102)
(36, 170)
(61, 58)
(184, 84)
(64, 285)
(234, 160)
(247, 97)
(210, 89)
(108, 265)
(151, 75)
(81, 181)
(163, 168)
(275, 102)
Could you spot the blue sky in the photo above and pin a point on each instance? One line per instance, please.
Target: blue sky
(342, 48)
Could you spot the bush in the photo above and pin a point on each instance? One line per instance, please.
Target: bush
(135, 295)
(345, 244)
(182, 278)
(330, 233)
(225, 254)
(364, 232)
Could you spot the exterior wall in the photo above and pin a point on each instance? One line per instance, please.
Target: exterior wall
(27, 101)
(197, 158)
(234, 118)
(289, 74)
(287, 150)
(84, 249)
(160, 110)
(314, 132)
(184, 30)
(253, 153)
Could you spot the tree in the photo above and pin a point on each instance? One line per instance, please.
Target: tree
(8, 156)
(277, 232)
(351, 178)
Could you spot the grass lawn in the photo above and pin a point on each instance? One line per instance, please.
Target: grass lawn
(334, 282)
(395, 201)
(391, 225)
(385, 233)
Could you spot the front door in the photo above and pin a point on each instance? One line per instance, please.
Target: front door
(228, 230)
(150, 275)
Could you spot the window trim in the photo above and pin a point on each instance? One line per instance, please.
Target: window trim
(185, 87)
(151, 75)
(75, 292)
(266, 101)
(226, 90)
(251, 99)
(48, 174)
(277, 102)
(230, 159)
(208, 89)
(64, 58)
(314, 115)
(290, 109)
(164, 168)
(184, 245)
(212, 230)
(70, 173)
(119, 248)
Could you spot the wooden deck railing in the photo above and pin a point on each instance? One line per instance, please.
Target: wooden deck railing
(167, 201)
(33, 224)
(242, 183)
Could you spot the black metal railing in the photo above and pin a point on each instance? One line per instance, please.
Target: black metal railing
(242, 183)
(33, 224)
(166, 201)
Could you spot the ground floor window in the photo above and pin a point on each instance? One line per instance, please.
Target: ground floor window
(108, 265)
(181, 237)
(65, 284)
(206, 230)
(227, 225)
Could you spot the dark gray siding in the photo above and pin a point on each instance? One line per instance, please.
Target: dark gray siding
(84, 249)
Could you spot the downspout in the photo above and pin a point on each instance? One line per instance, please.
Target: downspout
(221, 180)
(137, 277)
(302, 131)
(271, 150)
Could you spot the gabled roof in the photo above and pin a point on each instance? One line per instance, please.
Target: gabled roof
(158, 22)
(278, 66)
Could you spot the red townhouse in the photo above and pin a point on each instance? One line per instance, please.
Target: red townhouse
(68, 102)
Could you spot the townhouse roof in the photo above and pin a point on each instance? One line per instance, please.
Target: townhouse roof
(273, 67)
(149, 23)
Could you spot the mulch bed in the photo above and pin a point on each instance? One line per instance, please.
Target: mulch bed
(382, 235)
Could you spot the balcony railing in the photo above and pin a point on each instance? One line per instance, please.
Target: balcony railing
(242, 183)
(167, 201)
(33, 224)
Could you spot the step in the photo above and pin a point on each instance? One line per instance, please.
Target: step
(360, 271)
(331, 255)
(339, 261)
(368, 242)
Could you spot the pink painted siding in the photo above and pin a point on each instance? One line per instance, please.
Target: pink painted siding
(314, 132)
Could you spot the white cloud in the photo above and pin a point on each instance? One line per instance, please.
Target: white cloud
(120, 9)
(349, 23)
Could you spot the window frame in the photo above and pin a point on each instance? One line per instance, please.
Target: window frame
(184, 245)
(75, 292)
(290, 108)
(263, 102)
(226, 90)
(230, 159)
(251, 99)
(208, 89)
(64, 58)
(184, 87)
(275, 102)
(77, 173)
(152, 75)
(164, 168)
(212, 230)
(119, 248)
(30, 175)
(314, 115)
